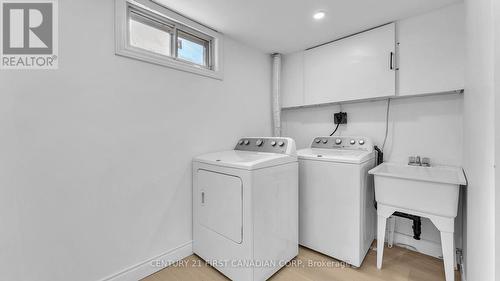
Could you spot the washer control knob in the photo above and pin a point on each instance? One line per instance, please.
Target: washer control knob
(353, 142)
(240, 142)
(361, 142)
(325, 141)
(281, 143)
(247, 142)
(259, 142)
(317, 140)
(273, 143)
(338, 141)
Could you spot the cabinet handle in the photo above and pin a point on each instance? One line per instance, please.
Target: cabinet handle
(391, 61)
(203, 198)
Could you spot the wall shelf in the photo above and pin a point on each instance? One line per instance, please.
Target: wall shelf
(453, 92)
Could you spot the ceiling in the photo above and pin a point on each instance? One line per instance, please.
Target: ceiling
(285, 26)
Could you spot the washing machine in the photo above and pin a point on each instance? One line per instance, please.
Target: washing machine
(336, 212)
(245, 208)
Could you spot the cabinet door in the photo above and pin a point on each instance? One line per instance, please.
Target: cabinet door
(431, 52)
(292, 92)
(357, 67)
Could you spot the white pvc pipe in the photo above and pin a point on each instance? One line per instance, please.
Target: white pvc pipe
(276, 94)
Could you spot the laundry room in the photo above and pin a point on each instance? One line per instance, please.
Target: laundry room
(162, 140)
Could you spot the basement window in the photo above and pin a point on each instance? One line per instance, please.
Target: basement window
(150, 32)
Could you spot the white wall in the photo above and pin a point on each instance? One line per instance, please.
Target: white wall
(479, 140)
(496, 14)
(95, 166)
(428, 126)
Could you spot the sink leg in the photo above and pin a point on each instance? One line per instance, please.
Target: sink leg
(381, 221)
(448, 255)
(446, 226)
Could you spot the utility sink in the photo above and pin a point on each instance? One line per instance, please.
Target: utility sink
(432, 190)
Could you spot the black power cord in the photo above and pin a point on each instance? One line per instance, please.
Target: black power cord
(336, 128)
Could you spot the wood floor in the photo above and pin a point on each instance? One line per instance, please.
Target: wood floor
(399, 265)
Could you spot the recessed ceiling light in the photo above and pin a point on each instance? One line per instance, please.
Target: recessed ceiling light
(319, 15)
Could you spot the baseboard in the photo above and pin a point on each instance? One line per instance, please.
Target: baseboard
(153, 265)
(426, 247)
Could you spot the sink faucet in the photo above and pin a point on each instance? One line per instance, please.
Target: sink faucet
(414, 161)
(426, 162)
(417, 161)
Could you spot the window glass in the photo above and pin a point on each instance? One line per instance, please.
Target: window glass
(149, 35)
(191, 48)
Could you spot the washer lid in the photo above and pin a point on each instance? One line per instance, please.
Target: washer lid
(335, 155)
(246, 160)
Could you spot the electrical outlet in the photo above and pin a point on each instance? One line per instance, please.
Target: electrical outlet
(340, 118)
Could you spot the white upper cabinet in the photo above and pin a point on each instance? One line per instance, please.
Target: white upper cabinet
(419, 55)
(431, 52)
(357, 67)
(293, 80)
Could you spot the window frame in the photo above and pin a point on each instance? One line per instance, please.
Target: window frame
(156, 13)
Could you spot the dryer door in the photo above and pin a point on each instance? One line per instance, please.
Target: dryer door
(221, 204)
